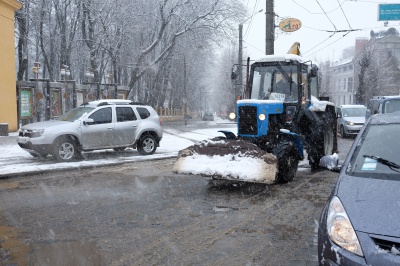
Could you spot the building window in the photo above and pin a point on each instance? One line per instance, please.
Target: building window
(349, 84)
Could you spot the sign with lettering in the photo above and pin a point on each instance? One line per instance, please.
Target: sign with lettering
(26, 103)
(290, 25)
(388, 12)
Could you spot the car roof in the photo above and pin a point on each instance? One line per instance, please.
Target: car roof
(388, 118)
(353, 106)
(391, 99)
(110, 102)
(384, 97)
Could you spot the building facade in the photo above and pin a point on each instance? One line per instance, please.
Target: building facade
(348, 82)
(8, 99)
(341, 82)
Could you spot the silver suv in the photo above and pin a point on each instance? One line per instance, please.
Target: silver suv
(102, 124)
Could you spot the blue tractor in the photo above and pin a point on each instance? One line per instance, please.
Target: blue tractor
(282, 114)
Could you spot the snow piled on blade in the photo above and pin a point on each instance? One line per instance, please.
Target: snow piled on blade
(227, 159)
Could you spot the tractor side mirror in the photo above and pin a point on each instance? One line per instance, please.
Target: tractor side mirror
(234, 72)
(233, 75)
(314, 71)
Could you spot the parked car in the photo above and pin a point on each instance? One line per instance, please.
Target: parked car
(103, 124)
(359, 224)
(208, 116)
(351, 118)
(383, 104)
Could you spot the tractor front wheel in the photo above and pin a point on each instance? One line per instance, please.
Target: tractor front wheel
(288, 160)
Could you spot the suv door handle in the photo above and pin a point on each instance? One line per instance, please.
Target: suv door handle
(134, 126)
(110, 128)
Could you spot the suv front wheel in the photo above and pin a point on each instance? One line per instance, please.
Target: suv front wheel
(64, 150)
(147, 145)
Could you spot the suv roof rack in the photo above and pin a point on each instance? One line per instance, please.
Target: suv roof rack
(111, 102)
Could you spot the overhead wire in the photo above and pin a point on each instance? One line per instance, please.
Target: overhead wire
(344, 14)
(251, 19)
(316, 13)
(326, 15)
(328, 44)
(254, 47)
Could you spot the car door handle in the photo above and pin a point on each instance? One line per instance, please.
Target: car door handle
(110, 128)
(134, 126)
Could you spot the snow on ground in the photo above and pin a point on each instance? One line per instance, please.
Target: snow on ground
(15, 161)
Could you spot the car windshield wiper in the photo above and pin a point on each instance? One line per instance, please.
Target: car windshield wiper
(390, 164)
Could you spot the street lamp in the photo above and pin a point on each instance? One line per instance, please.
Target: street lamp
(36, 69)
(90, 75)
(240, 59)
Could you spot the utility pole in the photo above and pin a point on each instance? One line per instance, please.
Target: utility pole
(269, 27)
(239, 81)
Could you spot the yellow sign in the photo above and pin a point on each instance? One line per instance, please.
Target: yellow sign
(290, 24)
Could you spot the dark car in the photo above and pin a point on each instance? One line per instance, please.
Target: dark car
(360, 224)
(208, 117)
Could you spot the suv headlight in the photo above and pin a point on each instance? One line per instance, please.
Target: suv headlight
(349, 123)
(340, 229)
(37, 133)
(232, 116)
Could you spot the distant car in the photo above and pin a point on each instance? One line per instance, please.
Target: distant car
(208, 117)
(359, 224)
(103, 124)
(383, 105)
(351, 118)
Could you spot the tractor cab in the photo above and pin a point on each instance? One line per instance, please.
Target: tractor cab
(288, 78)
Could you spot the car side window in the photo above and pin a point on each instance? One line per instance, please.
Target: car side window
(143, 112)
(102, 116)
(125, 114)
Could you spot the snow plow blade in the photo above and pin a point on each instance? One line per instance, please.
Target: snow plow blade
(227, 159)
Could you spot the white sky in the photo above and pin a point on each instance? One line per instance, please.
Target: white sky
(315, 42)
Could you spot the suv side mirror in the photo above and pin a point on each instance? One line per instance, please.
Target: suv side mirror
(88, 121)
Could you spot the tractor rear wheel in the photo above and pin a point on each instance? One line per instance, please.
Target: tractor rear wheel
(288, 160)
(321, 140)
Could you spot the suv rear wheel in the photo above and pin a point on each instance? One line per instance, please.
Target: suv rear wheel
(64, 150)
(147, 145)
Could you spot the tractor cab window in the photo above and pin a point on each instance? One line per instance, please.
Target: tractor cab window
(304, 84)
(275, 82)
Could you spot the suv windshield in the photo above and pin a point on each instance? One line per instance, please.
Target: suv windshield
(277, 82)
(377, 147)
(75, 113)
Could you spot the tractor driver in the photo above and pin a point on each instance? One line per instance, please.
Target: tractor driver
(283, 86)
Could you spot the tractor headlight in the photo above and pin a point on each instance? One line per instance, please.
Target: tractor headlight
(232, 116)
(349, 123)
(340, 229)
(261, 117)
